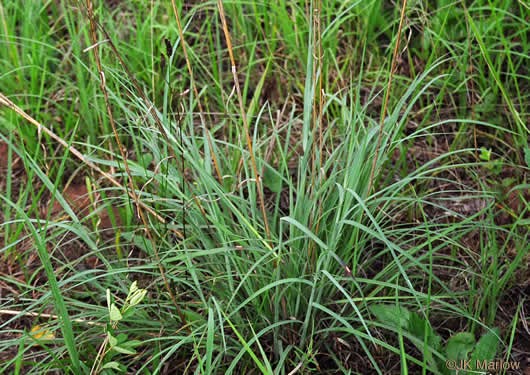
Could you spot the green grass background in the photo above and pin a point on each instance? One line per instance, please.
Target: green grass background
(455, 136)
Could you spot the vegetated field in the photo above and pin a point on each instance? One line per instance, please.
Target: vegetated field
(277, 187)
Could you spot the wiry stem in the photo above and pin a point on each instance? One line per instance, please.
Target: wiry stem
(243, 113)
(156, 118)
(8, 103)
(126, 164)
(383, 115)
(196, 92)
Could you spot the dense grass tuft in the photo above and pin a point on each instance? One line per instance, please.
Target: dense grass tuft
(165, 212)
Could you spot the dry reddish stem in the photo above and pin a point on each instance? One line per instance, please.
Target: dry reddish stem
(383, 115)
(131, 180)
(8, 103)
(196, 92)
(243, 114)
(155, 117)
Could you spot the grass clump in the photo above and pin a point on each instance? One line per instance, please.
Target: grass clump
(242, 187)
